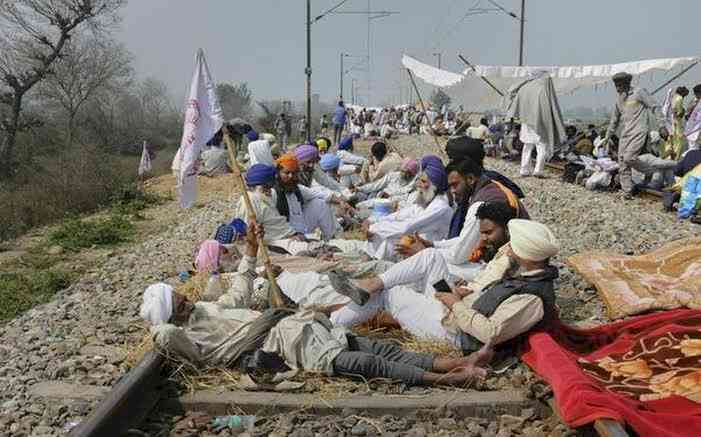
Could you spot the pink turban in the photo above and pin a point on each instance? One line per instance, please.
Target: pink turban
(410, 165)
(208, 257)
(306, 152)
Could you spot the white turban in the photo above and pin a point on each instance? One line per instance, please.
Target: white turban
(532, 240)
(157, 306)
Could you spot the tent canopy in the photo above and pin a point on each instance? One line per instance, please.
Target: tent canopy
(468, 87)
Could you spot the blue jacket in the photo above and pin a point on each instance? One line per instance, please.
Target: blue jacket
(339, 116)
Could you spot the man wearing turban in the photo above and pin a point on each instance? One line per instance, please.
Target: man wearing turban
(429, 214)
(396, 185)
(306, 209)
(312, 176)
(260, 181)
(514, 294)
(633, 111)
(227, 334)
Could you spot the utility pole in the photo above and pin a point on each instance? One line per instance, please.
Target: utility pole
(439, 59)
(340, 95)
(371, 15)
(523, 12)
(308, 72)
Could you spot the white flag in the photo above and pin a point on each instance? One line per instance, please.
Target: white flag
(667, 114)
(145, 164)
(203, 118)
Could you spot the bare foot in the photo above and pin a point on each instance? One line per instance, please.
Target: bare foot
(482, 357)
(461, 376)
(371, 285)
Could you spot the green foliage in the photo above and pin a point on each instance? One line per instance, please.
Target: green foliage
(74, 233)
(131, 199)
(20, 292)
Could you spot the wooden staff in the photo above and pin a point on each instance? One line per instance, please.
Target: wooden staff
(423, 107)
(275, 295)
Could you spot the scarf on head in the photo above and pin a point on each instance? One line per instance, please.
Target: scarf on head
(208, 256)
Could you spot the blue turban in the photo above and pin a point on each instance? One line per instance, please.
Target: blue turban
(239, 226)
(329, 162)
(346, 143)
(226, 234)
(435, 170)
(252, 135)
(260, 174)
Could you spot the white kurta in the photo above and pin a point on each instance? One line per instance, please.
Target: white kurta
(431, 222)
(276, 226)
(316, 212)
(259, 153)
(457, 251)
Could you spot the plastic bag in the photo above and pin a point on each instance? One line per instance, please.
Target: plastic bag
(600, 179)
(691, 191)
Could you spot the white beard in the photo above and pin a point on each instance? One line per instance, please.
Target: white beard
(269, 200)
(425, 197)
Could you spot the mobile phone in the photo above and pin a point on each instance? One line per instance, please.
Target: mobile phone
(442, 286)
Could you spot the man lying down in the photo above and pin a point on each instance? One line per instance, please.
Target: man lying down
(217, 334)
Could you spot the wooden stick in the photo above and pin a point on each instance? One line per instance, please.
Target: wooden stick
(275, 295)
(423, 107)
(481, 77)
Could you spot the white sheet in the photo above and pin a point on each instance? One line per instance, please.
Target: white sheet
(467, 87)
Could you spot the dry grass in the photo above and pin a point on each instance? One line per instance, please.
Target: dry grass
(326, 387)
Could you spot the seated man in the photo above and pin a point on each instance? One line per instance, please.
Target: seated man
(259, 150)
(430, 215)
(311, 175)
(381, 162)
(392, 185)
(303, 210)
(470, 189)
(504, 311)
(347, 157)
(406, 288)
(213, 334)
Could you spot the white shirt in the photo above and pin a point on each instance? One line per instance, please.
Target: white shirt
(480, 132)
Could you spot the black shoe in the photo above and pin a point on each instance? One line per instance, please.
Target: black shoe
(341, 283)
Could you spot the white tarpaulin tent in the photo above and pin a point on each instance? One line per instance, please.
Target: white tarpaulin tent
(468, 88)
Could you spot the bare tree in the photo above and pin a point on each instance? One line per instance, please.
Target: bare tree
(33, 35)
(88, 65)
(235, 99)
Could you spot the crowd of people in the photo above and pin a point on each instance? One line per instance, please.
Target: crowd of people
(448, 251)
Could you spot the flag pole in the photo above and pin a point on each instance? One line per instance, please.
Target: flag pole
(675, 77)
(275, 295)
(423, 107)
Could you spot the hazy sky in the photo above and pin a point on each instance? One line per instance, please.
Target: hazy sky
(262, 42)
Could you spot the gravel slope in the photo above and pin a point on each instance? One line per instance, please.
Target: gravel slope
(78, 338)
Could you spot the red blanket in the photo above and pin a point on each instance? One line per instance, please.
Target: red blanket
(645, 371)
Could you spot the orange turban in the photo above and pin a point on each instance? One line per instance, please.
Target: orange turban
(288, 161)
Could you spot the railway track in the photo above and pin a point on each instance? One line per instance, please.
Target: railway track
(139, 392)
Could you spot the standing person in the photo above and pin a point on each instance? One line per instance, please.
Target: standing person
(324, 125)
(339, 121)
(283, 129)
(678, 119)
(302, 128)
(632, 111)
(535, 103)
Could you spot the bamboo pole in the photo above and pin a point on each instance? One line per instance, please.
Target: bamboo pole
(275, 295)
(481, 77)
(423, 107)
